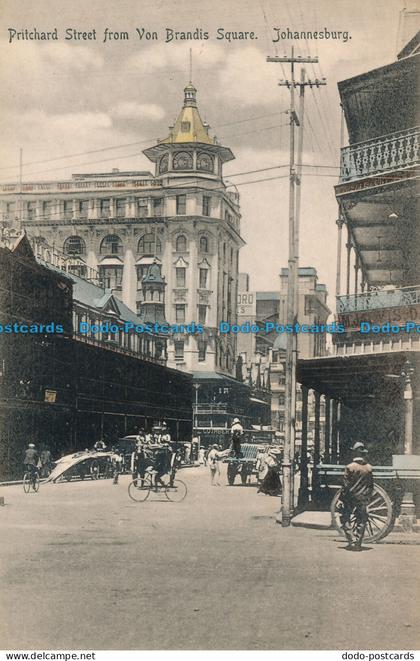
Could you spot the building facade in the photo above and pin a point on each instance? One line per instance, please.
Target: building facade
(65, 390)
(263, 355)
(116, 224)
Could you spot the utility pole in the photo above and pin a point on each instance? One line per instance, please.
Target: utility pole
(292, 279)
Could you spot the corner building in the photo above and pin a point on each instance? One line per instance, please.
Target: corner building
(116, 224)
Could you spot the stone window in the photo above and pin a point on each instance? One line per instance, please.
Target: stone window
(111, 245)
(182, 161)
(179, 350)
(204, 244)
(202, 347)
(180, 273)
(202, 278)
(164, 164)
(202, 314)
(149, 244)
(206, 205)
(105, 208)
(111, 276)
(205, 163)
(74, 245)
(120, 207)
(181, 243)
(179, 313)
(157, 206)
(83, 208)
(181, 205)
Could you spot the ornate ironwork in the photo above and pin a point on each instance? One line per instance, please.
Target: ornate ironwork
(389, 152)
(373, 300)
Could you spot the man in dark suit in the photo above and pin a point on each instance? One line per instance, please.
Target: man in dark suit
(355, 495)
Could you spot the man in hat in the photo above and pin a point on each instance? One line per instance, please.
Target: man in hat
(236, 431)
(31, 459)
(355, 495)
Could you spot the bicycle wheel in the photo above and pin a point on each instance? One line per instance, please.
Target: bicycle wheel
(35, 482)
(140, 493)
(26, 482)
(177, 491)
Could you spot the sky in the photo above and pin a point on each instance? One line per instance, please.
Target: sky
(70, 97)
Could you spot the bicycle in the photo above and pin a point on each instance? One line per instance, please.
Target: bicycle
(139, 490)
(31, 479)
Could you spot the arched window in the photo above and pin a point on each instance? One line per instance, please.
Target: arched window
(182, 161)
(74, 245)
(149, 244)
(164, 164)
(204, 244)
(205, 162)
(111, 245)
(181, 243)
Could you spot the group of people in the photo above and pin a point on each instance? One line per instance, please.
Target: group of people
(155, 451)
(35, 461)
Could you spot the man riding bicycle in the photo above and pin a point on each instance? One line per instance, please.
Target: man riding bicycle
(161, 465)
(31, 461)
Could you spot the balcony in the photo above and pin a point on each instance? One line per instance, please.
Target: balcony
(375, 300)
(394, 151)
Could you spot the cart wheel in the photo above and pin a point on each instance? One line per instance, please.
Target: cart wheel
(177, 491)
(381, 515)
(231, 473)
(140, 493)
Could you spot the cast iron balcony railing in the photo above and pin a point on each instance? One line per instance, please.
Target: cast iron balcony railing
(394, 151)
(374, 300)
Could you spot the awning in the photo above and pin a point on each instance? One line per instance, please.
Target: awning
(356, 378)
(258, 401)
(147, 260)
(111, 261)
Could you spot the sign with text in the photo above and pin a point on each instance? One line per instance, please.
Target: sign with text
(247, 304)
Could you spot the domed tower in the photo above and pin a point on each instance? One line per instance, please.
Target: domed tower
(189, 148)
(152, 309)
(197, 218)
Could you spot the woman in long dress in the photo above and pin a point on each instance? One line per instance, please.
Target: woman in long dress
(270, 483)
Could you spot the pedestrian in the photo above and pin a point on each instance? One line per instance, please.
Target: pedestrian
(187, 457)
(201, 456)
(236, 431)
(117, 460)
(45, 459)
(214, 456)
(270, 484)
(356, 494)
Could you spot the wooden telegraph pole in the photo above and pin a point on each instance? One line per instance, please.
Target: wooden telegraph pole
(292, 279)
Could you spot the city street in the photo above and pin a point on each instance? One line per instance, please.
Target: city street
(84, 567)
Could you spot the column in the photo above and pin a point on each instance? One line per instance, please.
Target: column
(327, 429)
(356, 274)
(340, 224)
(315, 477)
(303, 497)
(408, 512)
(334, 432)
(348, 246)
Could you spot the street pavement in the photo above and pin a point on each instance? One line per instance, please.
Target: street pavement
(84, 567)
